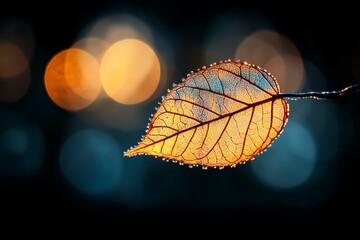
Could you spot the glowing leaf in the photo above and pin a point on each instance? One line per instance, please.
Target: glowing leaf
(219, 116)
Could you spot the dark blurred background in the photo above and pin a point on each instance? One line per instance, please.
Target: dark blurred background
(63, 132)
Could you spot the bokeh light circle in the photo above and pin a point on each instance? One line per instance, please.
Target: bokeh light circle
(19, 33)
(72, 79)
(16, 49)
(12, 60)
(290, 161)
(21, 146)
(276, 53)
(113, 28)
(256, 50)
(130, 71)
(94, 46)
(13, 89)
(91, 161)
(226, 32)
(288, 70)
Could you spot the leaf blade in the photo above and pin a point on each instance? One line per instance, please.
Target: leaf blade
(220, 116)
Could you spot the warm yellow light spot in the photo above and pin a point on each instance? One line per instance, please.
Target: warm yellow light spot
(12, 60)
(72, 79)
(96, 47)
(130, 71)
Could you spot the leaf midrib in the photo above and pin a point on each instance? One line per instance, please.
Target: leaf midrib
(253, 105)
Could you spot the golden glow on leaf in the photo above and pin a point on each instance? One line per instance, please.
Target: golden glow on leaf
(220, 116)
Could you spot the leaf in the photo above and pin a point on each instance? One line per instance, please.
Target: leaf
(219, 116)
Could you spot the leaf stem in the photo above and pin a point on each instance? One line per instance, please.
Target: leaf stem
(321, 95)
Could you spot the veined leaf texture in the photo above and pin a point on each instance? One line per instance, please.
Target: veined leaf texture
(220, 116)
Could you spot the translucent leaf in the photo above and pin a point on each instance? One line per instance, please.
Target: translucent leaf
(219, 116)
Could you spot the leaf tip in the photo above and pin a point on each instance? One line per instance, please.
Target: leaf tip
(132, 151)
(127, 153)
